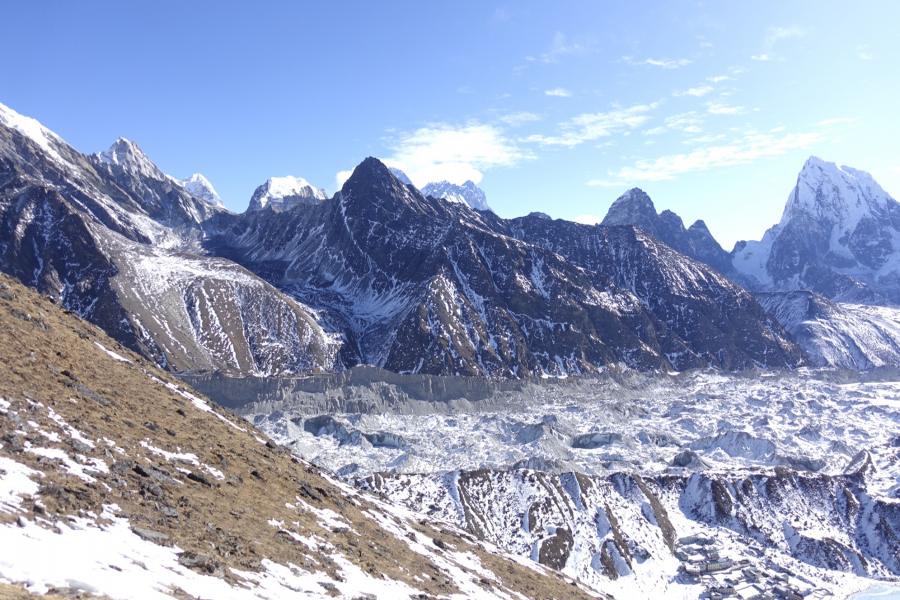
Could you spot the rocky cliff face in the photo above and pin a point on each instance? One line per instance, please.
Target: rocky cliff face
(115, 240)
(427, 286)
(635, 207)
(702, 316)
(838, 236)
(379, 274)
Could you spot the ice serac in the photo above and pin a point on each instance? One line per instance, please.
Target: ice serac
(118, 242)
(467, 193)
(284, 193)
(839, 236)
(635, 207)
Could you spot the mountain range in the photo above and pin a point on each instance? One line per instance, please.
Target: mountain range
(414, 281)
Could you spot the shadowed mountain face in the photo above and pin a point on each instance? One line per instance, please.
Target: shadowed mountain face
(423, 285)
(379, 274)
(634, 207)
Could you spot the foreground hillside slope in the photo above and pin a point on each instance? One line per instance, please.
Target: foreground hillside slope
(116, 480)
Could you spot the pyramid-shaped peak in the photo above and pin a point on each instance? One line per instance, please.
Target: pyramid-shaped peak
(128, 156)
(634, 207)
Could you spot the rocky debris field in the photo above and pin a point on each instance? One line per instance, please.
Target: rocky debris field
(793, 477)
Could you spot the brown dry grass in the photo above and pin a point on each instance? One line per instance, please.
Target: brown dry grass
(50, 359)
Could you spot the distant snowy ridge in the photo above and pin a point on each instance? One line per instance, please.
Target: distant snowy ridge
(833, 334)
(282, 193)
(199, 187)
(467, 193)
(126, 154)
(32, 129)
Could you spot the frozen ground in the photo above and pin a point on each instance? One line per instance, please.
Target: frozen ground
(791, 480)
(812, 420)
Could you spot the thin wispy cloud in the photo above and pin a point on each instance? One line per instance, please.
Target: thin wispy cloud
(456, 153)
(864, 53)
(560, 46)
(719, 78)
(697, 91)
(558, 92)
(746, 149)
(517, 119)
(662, 63)
(773, 36)
(687, 122)
(777, 34)
(588, 127)
(720, 108)
(837, 121)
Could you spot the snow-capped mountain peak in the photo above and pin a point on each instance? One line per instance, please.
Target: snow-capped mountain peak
(400, 175)
(127, 155)
(199, 187)
(839, 195)
(467, 193)
(282, 193)
(839, 235)
(32, 129)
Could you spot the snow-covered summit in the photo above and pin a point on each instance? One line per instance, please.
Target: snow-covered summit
(400, 175)
(282, 193)
(199, 187)
(32, 129)
(127, 155)
(467, 193)
(840, 195)
(839, 235)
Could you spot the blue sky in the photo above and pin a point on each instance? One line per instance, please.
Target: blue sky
(711, 107)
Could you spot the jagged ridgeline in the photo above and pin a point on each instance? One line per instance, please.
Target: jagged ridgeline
(378, 274)
(117, 480)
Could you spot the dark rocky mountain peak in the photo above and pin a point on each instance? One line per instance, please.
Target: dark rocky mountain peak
(372, 185)
(634, 207)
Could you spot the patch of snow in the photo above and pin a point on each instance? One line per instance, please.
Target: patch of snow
(111, 354)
